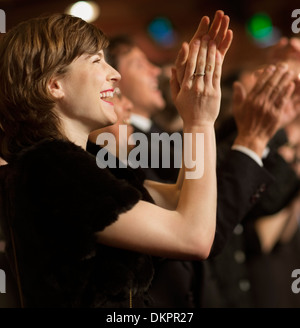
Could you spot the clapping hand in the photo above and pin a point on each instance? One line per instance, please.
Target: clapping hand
(195, 82)
(259, 113)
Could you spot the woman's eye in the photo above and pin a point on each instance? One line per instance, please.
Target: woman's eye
(97, 60)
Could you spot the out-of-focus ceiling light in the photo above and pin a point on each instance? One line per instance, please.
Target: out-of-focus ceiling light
(87, 10)
(161, 30)
(262, 31)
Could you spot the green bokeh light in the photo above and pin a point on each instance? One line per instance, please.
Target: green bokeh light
(260, 26)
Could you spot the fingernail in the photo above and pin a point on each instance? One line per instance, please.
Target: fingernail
(282, 65)
(271, 68)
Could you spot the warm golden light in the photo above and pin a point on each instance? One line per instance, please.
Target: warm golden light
(87, 10)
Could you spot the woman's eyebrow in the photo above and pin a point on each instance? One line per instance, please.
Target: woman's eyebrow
(100, 54)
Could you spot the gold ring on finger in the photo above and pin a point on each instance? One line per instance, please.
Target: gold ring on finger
(199, 74)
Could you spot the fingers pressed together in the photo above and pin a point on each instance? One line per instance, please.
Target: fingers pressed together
(216, 36)
(275, 84)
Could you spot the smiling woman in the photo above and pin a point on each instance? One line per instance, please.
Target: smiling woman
(41, 62)
(77, 235)
(82, 96)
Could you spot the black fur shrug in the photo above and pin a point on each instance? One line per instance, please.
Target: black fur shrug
(55, 198)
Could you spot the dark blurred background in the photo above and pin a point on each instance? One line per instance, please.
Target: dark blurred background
(160, 26)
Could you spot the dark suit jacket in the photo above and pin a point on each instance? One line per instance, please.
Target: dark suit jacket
(241, 181)
(159, 174)
(241, 275)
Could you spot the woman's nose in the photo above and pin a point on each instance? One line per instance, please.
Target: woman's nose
(114, 75)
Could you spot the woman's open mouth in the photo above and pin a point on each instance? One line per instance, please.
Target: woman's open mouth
(107, 95)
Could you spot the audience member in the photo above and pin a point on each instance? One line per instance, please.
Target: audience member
(255, 266)
(66, 221)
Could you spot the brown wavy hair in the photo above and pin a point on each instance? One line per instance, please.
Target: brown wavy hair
(30, 54)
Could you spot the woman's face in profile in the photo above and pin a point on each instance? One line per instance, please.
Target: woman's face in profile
(86, 92)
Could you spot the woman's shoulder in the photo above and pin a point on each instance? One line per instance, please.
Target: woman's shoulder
(44, 156)
(56, 172)
(50, 149)
(60, 158)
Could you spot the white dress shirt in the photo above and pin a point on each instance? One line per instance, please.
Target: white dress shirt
(141, 122)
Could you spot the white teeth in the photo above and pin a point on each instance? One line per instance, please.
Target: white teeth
(107, 94)
(126, 121)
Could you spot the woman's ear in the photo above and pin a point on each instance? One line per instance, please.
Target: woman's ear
(55, 87)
